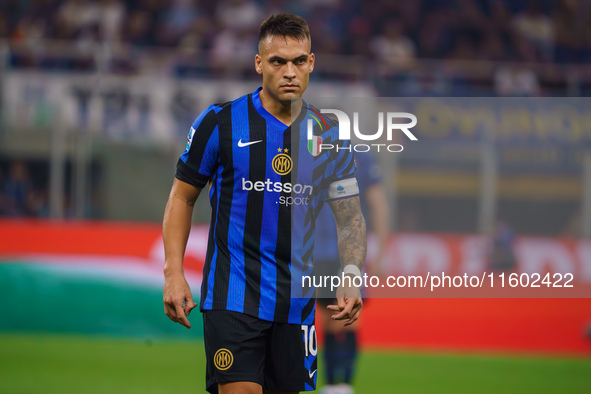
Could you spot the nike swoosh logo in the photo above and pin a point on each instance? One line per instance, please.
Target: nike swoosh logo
(312, 373)
(243, 144)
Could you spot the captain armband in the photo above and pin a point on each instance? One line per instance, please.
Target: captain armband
(343, 188)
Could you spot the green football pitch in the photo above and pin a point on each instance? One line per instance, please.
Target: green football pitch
(63, 364)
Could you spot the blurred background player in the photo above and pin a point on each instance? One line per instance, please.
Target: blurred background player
(16, 192)
(502, 256)
(340, 342)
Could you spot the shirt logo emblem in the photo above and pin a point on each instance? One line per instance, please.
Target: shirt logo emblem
(223, 359)
(282, 164)
(243, 144)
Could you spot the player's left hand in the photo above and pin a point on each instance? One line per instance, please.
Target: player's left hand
(349, 305)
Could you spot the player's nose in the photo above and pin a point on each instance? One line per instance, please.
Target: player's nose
(289, 72)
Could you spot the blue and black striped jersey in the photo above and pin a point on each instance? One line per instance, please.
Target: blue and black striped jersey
(268, 183)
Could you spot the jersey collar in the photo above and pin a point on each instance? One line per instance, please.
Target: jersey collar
(256, 100)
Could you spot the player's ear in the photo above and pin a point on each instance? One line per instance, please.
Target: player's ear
(312, 58)
(258, 61)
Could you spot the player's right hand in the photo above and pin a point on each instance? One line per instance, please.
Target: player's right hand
(349, 304)
(178, 301)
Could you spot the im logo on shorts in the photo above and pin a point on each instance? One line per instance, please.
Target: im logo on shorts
(223, 359)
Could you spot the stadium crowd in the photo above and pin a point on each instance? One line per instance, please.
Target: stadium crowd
(395, 32)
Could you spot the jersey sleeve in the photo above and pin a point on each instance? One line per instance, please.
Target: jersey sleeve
(199, 160)
(342, 183)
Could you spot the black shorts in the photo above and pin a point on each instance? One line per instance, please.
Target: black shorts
(242, 348)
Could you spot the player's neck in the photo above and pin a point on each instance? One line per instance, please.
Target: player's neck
(281, 110)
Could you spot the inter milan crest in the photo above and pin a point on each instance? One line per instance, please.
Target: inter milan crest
(282, 162)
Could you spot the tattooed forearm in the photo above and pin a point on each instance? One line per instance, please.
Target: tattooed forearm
(351, 231)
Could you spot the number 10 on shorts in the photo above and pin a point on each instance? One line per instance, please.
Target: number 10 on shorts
(310, 343)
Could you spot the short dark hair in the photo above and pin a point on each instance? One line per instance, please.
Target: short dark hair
(285, 25)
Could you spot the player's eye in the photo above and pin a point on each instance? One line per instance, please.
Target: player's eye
(301, 61)
(276, 62)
